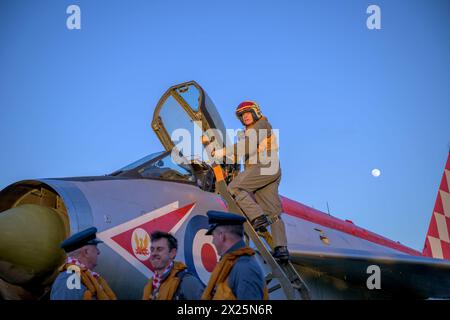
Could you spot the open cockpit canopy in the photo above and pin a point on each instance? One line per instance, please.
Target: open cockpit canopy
(181, 116)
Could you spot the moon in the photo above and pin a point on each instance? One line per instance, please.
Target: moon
(376, 173)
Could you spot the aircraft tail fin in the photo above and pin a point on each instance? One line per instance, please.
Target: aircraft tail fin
(437, 242)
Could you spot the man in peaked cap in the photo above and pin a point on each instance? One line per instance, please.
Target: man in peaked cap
(76, 280)
(237, 276)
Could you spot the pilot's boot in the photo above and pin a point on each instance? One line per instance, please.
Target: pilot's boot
(260, 223)
(281, 253)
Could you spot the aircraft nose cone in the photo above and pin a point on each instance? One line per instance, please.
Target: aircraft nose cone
(30, 236)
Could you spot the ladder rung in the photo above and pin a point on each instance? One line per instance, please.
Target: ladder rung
(269, 277)
(274, 288)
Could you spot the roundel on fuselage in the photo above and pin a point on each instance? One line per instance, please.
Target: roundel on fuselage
(200, 254)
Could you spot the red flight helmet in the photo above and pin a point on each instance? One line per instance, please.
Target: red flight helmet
(248, 106)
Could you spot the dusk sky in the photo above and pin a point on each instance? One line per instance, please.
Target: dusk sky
(346, 99)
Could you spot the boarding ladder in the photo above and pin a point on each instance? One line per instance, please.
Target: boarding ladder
(287, 276)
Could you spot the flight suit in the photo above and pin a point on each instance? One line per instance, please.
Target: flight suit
(255, 191)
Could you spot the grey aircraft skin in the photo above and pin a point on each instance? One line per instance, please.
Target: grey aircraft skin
(334, 257)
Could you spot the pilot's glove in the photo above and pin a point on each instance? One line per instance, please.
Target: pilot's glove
(205, 140)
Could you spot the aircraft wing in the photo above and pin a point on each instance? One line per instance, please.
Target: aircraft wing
(405, 274)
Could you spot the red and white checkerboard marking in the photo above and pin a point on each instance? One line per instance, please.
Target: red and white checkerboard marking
(437, 243)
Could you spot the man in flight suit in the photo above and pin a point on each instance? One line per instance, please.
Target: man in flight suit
(256, 188)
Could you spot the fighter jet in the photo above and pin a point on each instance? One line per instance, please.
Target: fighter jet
(335, 258)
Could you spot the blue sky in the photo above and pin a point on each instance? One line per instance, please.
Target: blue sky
(346, 99)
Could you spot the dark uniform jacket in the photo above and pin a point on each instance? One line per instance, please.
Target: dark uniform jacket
(246, 279)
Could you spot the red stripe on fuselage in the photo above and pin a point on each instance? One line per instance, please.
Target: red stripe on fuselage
(298, 210)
